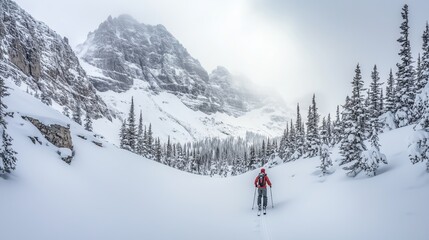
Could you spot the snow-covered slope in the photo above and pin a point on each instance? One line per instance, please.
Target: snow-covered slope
(33, 53)
(108, 193)
(169, 116)
(125, 58)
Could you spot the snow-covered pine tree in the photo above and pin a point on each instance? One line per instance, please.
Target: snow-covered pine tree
(7, 154)
(8, 158)
(422, 77)
(283, 142)
(300, 135)
(77, 115)
(149, 141)
(418, 150)
(328, 130)
(390, 94)
(381, 108)
(158, 151)
(168, 152)
(123, 135)
(372, 157)
(88, 122)
(140, 140)
(405, 82)
(131, 129)
(374, 101)
(425, 56)
(352, 144)
(313, 138)
(145, 150)
(336, 128)
(420, 84)
(252, 158)
(291, 144)
(325, 154)
(262, 154)
(3, 93)
(374, 94)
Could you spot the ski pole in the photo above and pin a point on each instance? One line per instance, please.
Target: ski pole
(271, 191)
(254, 195)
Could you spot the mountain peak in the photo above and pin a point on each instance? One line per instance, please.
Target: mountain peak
(126, 18)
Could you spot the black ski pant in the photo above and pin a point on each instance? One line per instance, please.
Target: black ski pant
(262, 192)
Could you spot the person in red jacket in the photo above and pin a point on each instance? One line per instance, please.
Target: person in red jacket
(261, 182)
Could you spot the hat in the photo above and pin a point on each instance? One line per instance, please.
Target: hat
(262, 170)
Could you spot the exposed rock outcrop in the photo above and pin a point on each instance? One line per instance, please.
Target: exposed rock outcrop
(56, 134)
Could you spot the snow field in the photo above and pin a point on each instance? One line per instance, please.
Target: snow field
(109, 193)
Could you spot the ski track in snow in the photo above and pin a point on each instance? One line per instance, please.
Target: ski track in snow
(264, 228)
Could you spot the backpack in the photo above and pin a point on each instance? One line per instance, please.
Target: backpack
(261, 179)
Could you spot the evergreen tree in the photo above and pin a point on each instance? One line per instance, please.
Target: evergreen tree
(140, 141)
(7, 154)
(419, 147)
(88, 123)
(291, 144)
(390, 94)
(381, 108)
(325, 154)
(283, 141)
(8, 158)
(131, 129)
(420, 84)
(374, 95)
(3, 93)
(252, 158)
(372, 158)
(300, 135)
(158, 151)
(313, 138)
(149, 141)
(422, 76)
(336, 129)
(352, 144)
(123, 135)
(328, 130)
(405, 88)
(168, 153)
(425, 57)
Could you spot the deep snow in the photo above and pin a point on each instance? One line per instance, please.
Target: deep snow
(109, 193)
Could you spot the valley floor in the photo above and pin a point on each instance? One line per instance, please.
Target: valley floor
(108, 193)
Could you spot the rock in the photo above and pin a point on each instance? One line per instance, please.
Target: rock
(33, 53)
(56, 134)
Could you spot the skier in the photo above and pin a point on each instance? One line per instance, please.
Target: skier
(261, 182)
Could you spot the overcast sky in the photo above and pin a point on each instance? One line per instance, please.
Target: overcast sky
(295, 47)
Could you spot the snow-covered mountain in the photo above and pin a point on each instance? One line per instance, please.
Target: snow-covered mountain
(110, 193)
(125, 58)
(33, 53)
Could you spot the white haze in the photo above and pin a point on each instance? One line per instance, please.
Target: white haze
(295, 48)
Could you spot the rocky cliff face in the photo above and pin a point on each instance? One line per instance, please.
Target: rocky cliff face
(123, 50)
(33, 53)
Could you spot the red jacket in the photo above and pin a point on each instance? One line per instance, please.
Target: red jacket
(267, 181)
